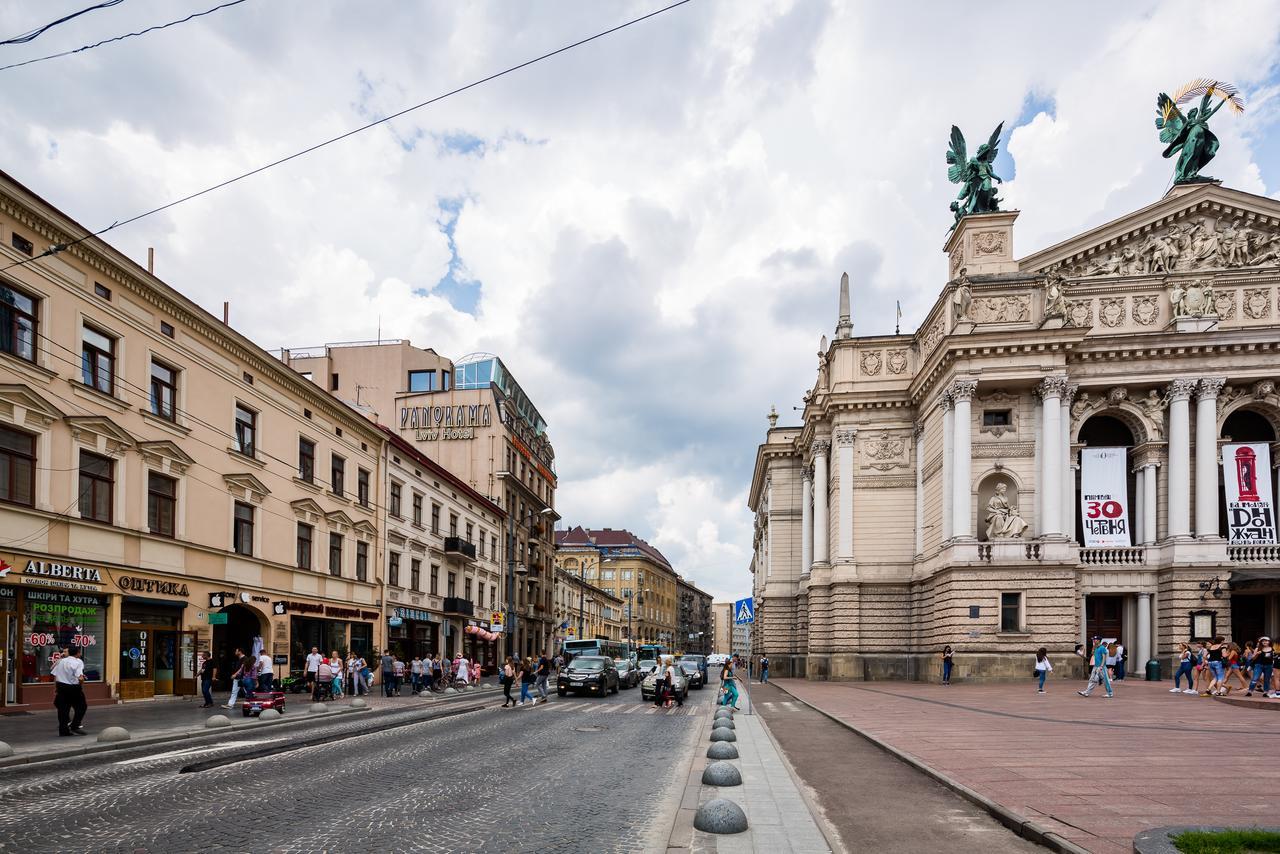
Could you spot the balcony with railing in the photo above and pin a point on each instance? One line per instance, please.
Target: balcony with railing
(461, 607)
(1269, 555)
(459, 546)
(1114, 556)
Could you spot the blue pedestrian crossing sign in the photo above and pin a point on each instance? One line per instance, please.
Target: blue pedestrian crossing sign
(743, 612)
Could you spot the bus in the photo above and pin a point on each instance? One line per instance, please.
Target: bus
(595, 646)
(653, 651)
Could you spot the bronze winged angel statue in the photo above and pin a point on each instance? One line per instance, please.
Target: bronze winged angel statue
(1188, 135)
(976, 175)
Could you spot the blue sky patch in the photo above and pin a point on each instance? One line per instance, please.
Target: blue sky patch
(461, 292)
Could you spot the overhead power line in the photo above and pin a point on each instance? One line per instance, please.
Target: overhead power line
(59, 247)
(32, 35)
(190, 17)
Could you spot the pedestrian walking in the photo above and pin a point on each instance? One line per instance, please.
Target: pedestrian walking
(1231, 664)
(437, 673)
(1099, 674)
(671, 681)
(764, 669)
(388, 672)
(526, 680)
(335, 664)
(324, 681)
(728, 685)
(68, 679)
(542, 674)
(397, 674)
(508, 677)
(476, 672)
(1213, 654)
(313, 664)
(266, 672)
(237, 674)
(208, 672)
(1122, 658)
(1111, 658)
(1185, 668)
(1264, 659)
(947, 656)
(415, 675)
(1043, 667)
(352, 682)
(461, 669)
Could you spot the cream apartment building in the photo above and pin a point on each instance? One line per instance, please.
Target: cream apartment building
(1062, 449)
(169, 490)
(584, 611)
(474, 419)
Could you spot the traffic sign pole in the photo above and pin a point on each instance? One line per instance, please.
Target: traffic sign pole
(744, 614)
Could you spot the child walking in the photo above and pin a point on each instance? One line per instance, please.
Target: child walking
(1043, 667)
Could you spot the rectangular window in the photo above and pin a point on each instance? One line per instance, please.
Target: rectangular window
(997, 418)
(246, 430)
(97, 477)
(49, 622)
(335, 554)
(626, 575)
(26, 247)
(470, 531)
(393, 569)
(306, 534)
(394, 510)
(166, 329)
(362, 490)
(242, 533)
(306, 460)
(162, 504)
(1010, 612)
(362, 561)
(480, 543)
(422, 381)
(493, 546)
(17, 323)
(164, 387)
(493, 594)
(435, 518)
(17, 467)
(415, 575)
(445, 376)
(417, 509)
(337, 471)
(467, 587)
(98, 360)
(435, 580)
(333, 382)
(453, 525)
(453, 585)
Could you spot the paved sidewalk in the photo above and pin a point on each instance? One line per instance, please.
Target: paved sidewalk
(1094, 771)
(779, 820)
(37, 732)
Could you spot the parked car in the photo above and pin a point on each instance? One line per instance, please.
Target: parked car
(650, 685)
(717, 659)
(628, 673)
(693, 671)
(646, 666)
(594, 674)
(700, 663)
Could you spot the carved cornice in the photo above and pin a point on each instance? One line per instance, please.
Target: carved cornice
(1000, 450)
(884, 482)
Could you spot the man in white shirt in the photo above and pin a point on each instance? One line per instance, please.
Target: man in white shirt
(68, 676)
(313, 664)
(266, 675)
(671, 679)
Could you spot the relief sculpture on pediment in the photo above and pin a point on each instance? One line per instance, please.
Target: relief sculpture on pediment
(1007, 309)
(1191, 245)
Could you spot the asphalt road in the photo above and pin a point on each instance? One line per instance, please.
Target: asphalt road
(574, 774)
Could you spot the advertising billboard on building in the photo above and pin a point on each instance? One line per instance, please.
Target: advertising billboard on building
(1104, 497)
(1246, 480)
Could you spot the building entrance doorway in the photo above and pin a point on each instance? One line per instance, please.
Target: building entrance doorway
(1104, 617)
(1248, 617)
(238, 632)
(8, 659)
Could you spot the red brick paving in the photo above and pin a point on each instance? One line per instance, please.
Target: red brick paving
(1096, 771)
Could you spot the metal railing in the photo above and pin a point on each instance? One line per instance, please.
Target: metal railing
(1254, 554)
(1117, 556)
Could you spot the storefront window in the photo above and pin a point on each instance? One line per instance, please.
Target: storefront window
(135, 649)
(53, 621)
(362, 638)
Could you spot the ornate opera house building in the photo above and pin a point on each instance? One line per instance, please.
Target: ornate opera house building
(1075, 443)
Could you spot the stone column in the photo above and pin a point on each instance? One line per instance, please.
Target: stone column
(821, 527)
(844, 522)
(962, 486)
(1039, 505)
(1053, 462)
(1178, 521)
(1149, 519)
(948, 463)
(1144, 630)
(1138, 518)
(806, 520)
(1207, 456)
(919, 463)
(1069, 465)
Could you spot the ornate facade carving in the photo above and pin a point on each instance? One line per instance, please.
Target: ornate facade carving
(932, 337)
(871, 362)
(886, 452)
(1263, 389)
(1007, 309)
(1224, 304)
(1146, 309)
(1257, 303)
(1198, 244)
(820, 447)
(1193, 298)
(962, 390)
(998, 400)
(1053, 387)
(845, 435)
(1080, 312)
(897, 361)
(988, 243)
(1111, 311)
(1055, 295)
(1002, 450)
(1210, 386)
(1181, 389)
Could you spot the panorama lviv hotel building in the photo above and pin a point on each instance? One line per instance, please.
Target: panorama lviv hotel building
(473, 418)
(168, 490)
(1078, 442)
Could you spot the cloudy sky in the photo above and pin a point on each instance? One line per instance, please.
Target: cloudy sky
(649, 229)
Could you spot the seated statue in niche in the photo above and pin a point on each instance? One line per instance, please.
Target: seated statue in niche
(1003, 521)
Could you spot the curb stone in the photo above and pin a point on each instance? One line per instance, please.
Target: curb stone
(1019, 824)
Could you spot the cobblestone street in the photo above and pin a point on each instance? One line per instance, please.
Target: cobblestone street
(575, 774)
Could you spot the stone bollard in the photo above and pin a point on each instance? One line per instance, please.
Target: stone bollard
(216, 721)
(113, 734)
(725, 723)
(268, 714)
(359, 703)
(723, 734)
(720, 816)
(724, 712)
(722, 750)
(317, 708)
(721, 774)
(451, 690)
(5, 749)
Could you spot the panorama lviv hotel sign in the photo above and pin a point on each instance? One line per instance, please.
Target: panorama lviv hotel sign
(430, 423)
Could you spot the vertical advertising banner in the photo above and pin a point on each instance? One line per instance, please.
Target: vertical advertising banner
(1246, 479)
(1104, 496)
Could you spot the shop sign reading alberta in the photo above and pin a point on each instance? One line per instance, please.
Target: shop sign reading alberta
(47, 573)
(430, 423)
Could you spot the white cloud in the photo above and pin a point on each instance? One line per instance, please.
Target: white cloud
(656, 222)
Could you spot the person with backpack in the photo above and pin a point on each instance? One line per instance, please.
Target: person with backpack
(764, 669)
(1043, 667)
(541, 674)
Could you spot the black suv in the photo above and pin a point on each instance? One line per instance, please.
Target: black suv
(594, 674)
